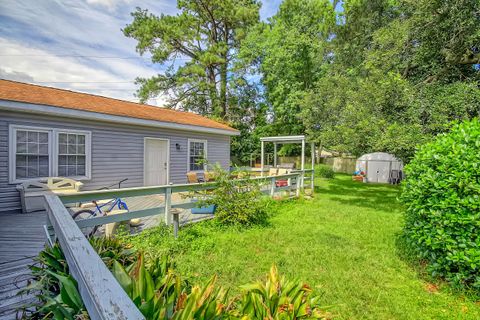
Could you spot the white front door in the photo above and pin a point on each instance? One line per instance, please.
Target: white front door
(156, 162)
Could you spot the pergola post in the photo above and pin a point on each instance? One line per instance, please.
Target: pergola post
(303, 162)
(262, 157)
(312, 146)
(303, 154)
(275, 154)
(312, 178)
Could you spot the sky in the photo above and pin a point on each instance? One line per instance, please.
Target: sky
(78, 44)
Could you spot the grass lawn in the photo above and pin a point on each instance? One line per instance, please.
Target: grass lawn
(342, 243)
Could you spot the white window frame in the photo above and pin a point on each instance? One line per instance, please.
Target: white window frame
(205, 156)
(52, 150)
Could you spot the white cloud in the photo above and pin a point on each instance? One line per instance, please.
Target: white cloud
(109, 4)
(44, 68)
(58, 43)
(38, 40)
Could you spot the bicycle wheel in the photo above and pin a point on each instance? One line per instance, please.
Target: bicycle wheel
(85, 214)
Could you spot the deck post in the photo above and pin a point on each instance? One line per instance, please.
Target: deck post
(176, 222)
(168, 206)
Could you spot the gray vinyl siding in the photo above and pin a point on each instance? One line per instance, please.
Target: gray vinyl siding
(117, 151)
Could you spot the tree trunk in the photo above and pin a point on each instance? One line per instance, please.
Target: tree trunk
(223, 75)
(223, 91)
(212, 90)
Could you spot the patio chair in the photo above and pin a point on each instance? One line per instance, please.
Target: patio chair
(272, 172)
(209, 176)
(290, 166)
(192, 177)
(395, 177)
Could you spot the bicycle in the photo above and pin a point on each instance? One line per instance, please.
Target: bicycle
(99, 210)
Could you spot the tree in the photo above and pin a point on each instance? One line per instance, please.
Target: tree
(290, 51)
(400, 73)
(206, 35)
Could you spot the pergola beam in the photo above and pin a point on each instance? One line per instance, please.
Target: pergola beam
(285, 140)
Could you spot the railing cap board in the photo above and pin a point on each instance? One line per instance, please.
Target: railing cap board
(145, 191)
(102, 295)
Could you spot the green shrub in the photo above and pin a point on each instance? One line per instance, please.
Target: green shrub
(441, 194)
(238, 201)
(158, 292)
(57, 290)
(324, 171)
(278, 298)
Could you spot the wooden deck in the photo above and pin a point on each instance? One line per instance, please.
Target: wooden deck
(154, 201)
(21, 239)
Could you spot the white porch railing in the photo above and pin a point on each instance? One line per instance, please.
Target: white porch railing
(102, 295)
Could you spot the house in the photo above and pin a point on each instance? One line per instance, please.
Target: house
(97, 140)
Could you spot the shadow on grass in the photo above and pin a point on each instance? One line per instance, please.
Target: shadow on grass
(381, 197)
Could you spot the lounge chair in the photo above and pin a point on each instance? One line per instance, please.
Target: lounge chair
(192, 177)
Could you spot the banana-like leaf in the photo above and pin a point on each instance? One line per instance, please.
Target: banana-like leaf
(68, 291)
(122, 277)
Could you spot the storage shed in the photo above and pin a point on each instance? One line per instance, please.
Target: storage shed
(378, 166)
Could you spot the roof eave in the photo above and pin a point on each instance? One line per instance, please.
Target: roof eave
(10, 105)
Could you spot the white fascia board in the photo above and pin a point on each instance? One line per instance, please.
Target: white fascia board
(9, 105)
(283, 139)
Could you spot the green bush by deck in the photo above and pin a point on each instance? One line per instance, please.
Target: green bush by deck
(442, 198)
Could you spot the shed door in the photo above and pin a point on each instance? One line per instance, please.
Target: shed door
(156, 162)
(378, 171)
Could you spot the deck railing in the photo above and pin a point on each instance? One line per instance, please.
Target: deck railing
(101, 293)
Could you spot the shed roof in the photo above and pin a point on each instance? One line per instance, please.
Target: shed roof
(379, 156)
(41, 95)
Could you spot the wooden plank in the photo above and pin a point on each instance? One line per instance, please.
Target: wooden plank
(90, 222)
(21, 240)
(87, 196)
(102, 295)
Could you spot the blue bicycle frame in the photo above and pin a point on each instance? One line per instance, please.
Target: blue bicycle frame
(117, 202)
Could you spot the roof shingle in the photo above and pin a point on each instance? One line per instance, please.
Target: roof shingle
(29, 93)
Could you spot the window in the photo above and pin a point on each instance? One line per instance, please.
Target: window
(196, 153)
(44, 152)
(71, 155)
(32, 154)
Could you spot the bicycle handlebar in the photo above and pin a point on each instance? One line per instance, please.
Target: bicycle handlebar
(119, 183)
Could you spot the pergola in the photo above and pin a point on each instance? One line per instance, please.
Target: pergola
(285, 140)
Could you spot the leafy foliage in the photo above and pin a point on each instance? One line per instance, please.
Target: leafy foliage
(159, 293)
(57, 290)
(377, 75)
(289, 51)
(324, 171)
(442, 196)
(278, 298)
(206, 35)
(237, 201)
(55, 287)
